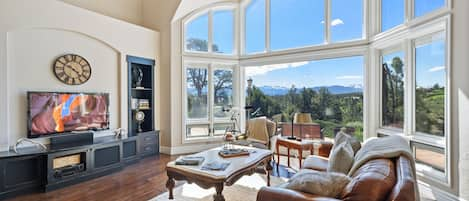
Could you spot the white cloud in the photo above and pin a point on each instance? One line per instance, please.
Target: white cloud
(336, 22)
(260, 70)
(349, 77)
(436, 69)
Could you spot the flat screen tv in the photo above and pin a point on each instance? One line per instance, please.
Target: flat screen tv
(55, 113)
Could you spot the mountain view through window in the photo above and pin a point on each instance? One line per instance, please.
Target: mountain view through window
(330, 90)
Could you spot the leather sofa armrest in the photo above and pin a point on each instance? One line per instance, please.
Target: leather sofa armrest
(282, 194)
(325, 149)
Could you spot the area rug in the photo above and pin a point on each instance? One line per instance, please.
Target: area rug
(244, 190)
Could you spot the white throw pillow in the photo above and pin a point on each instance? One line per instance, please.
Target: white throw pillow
(341, 158)
(329, 184)
(341, 137)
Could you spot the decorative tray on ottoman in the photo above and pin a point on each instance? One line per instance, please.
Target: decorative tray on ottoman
(228, 153)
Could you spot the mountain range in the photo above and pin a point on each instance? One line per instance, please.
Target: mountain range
(335, 89)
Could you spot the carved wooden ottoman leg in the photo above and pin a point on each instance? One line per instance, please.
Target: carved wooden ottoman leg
(219, 195)
(170, 185)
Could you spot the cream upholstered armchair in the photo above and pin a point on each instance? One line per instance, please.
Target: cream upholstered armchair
(258, 133)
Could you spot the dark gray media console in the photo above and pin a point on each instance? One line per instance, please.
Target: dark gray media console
(37, 170)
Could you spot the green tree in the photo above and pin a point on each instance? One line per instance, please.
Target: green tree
(196, 44)
(307, 95)
(393, 90)
(223, 80)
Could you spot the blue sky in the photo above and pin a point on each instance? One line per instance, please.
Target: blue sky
(430, 63)
(392, 11)
(343, 71)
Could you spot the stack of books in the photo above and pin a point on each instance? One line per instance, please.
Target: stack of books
(143, 104)
(190, 160)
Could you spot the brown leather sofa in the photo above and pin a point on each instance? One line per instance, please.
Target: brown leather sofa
(379, 179)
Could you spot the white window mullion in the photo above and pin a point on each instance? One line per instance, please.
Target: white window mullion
(267, 25)
(408, 11)
(409, 87)
(327, 21)
(237, 31)
(366, 20)
(210, 31)
(210, 98)
(376, 22)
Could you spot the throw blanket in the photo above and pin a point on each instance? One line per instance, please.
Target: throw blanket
(386, 147)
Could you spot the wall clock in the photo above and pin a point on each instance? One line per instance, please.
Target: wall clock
(72, 69)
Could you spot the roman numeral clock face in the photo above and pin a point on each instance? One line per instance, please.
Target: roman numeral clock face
(72, 69)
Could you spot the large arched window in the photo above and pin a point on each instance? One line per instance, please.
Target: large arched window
(288, 50)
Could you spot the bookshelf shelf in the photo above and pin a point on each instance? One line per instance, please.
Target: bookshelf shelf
(141, 94)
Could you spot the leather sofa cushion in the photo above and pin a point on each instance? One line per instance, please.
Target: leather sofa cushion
(372, 182)
(314, 162)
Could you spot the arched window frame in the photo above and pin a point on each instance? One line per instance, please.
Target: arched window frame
(210, 11)
(374, 43)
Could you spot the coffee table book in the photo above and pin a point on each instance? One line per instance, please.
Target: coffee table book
(189, 160)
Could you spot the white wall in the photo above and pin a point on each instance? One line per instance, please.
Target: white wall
(188, 6)
(157, 16)
(31, 53)
(34, 33)
(460, 99)
(127, 10)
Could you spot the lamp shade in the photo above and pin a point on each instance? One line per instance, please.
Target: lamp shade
(302, 118)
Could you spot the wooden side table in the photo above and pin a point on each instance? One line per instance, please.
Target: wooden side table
(293, 144)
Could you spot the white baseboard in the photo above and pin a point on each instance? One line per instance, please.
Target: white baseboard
(187, 149)
(4, 148)
(165, 150)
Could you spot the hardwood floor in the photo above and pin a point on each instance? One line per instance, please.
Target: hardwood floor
(138, 182)
(141, 181)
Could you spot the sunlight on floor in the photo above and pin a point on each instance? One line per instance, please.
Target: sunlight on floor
(255, 181)
(194, 191)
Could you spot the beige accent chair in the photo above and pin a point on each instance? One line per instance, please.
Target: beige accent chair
(259, 132)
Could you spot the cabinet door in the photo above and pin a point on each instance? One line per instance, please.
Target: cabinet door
(148, 143)
(130, 151)
(22, 173)
(107, 155)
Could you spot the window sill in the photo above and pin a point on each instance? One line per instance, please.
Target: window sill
(392, 131)
(207, 139)
(439, 142)
(418, 137)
